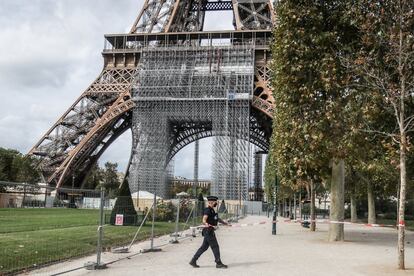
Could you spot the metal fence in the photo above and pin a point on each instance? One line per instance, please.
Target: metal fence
(21, 195)
(41, 225)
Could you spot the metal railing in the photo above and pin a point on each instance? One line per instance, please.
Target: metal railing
(136, 42)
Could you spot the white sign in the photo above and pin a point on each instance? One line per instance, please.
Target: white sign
(242, 96)
(119, 219)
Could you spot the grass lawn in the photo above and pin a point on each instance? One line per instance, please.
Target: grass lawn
(32, 237)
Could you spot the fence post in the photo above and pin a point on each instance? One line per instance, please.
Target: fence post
(45, 196)
(195, 214)
(100, 233)
(99, 264)
(195, 211)
(154, 209)
(153, 220)
(175, 240)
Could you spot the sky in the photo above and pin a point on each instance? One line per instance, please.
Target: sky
(50, 51)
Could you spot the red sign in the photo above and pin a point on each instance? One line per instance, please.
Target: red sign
(119, 220)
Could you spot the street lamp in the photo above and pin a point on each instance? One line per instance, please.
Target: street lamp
(274, 207)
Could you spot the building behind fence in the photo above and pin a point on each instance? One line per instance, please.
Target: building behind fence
(21, 195)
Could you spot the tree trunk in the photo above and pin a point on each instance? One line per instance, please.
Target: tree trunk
(371, 204)
(287, 208)
(401, 209)
(281, 209)
(336, 214)
(403, 146)
(354, 215)
(312, 207)
(294, 206)
(300, 205)
(290, 209)
(398, 202)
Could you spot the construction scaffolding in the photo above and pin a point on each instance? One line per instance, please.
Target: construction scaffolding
(258, 172)
(231, 153)
(199, 91)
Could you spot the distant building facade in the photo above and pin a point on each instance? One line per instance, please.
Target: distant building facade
(184, 183)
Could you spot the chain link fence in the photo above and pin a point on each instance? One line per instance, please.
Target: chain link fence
(42, 225)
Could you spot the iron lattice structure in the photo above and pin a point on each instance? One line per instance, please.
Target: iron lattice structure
(257, 182)
(193, 93)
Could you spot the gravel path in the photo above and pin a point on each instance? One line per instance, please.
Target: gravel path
(252, 250)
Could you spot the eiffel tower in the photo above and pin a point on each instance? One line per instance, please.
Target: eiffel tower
(106, 109)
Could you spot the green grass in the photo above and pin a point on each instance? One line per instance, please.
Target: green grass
(33, 237)
(21, 220)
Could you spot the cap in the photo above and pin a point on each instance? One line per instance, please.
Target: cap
(212, 198)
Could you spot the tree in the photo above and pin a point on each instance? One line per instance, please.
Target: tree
(110, 180)
(15, 167)
(371, 176)
(269, 177)
(314, 119)
(94, 177)
(124, 205)
(27, 171)
(386, 66)
(7, 170)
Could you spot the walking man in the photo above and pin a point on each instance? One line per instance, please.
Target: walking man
(210, 220)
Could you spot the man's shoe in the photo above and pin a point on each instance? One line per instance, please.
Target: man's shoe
(193, 263)
(221, 265)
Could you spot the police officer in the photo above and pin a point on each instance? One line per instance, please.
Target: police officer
(210, 220)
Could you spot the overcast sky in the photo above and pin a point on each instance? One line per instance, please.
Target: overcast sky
(50, 51)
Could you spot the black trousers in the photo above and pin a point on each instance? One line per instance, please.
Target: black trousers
(210, 240)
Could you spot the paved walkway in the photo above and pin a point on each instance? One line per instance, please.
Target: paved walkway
(252, 250)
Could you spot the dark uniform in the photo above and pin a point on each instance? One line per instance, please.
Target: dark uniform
(210, 239)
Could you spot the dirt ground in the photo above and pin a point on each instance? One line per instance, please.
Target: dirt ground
(252, 250)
